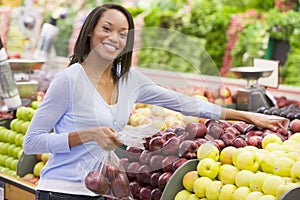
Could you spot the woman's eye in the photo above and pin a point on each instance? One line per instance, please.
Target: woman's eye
(106, 28)
(123, 35)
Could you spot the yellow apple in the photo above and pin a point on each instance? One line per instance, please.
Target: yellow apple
(248, 160)
(189, 179)
(192, 197)
(282, 166)
(208, 167)
(295, 137)
(254, 195)
(241, 193)
(235, 155)
(283, 188)
(213, 190)
(182, 194)
(261, 153)
(226, 154)
(37, 168)
(256, 181)
(271, 183)
(243, 177)
(295, 172)
(269, 139)
(250, 148)
(208, 150)
(199, 187)
(267, 197)
(273, 146)
(227, 174)
(227, 191)
(267, 163)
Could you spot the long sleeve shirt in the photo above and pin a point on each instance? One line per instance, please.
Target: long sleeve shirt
(72, 103)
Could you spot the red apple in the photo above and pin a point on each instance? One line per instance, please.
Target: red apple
(219, 143)
(96, 182)
(180, 131)
(145, 157)
(178, 163)
(181, 138)
(243, 127)
(110, 171)
(154, 179)
(215, 130)
(156, 144)
(143, 175)
(145, 193)
(156, 194)
(233, 130)
(124, 162)
(200, 141)
(135, 188)
(163, 180)
(133, 153)
(295, 125)
(132, 170)
(171, 146)
(195, 130)
(167, 163)
(120, 186)
(188, 149)
(156, 162)
(239, 142)
(167, 135)
(228, 138)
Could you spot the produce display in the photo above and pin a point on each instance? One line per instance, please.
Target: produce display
(244, 173)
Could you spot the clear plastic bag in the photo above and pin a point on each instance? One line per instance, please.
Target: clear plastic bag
(108, 178)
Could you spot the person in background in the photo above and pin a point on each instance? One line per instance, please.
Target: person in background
(90, 100)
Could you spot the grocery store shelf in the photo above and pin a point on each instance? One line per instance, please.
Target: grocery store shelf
(176, 79)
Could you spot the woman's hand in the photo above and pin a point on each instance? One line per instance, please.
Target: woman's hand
(104, 136)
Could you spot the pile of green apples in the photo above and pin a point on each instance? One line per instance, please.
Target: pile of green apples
(11, 138)
(246, 173)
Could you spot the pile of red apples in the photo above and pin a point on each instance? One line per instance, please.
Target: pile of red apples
(149, 170)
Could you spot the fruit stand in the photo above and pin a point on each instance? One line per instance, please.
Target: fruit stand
(237, 160)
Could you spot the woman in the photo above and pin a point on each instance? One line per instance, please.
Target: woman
(90, 100)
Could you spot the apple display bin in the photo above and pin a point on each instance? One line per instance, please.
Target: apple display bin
(175, 185)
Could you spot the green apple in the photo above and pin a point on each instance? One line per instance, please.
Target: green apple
(13, 124)
(295, 137)
(35, 104)
(267, 163)
(200, 185)
(18, 126)
(254, 195)
(269, 139)
(248, 160)
(256, 181)
(208, 167)
(20, 112)
(271, 183)
(25, 126)
(13, 164)
(283, 188)
(282, 166)
(226, 155)
(295, 172)
(189, 179)
(3, 159)
(243, 177)
(16, 152)
(11, 149)
(11, 136)
(8, 161)
(213, 190)
(18, 139)
(4, 148)
(241, 193)
(208, 150)
(267, 197)
(235, 155)
(227, 191)
(227, 173)
(182, 194)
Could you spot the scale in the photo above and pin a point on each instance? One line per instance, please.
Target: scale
(22, 69)
(254, 96)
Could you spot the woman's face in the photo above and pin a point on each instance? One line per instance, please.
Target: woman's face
(109, 37)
